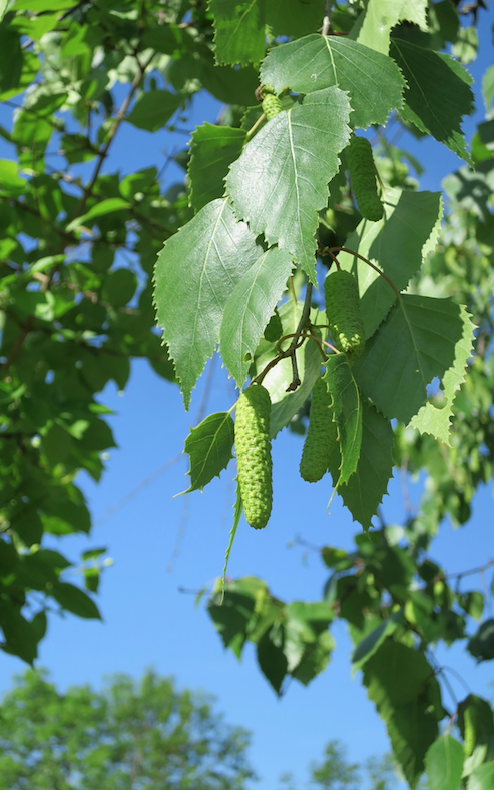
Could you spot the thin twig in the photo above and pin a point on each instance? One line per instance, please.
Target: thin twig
(366, 260)
(111, 134)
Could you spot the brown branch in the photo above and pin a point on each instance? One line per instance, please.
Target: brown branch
(111, 134)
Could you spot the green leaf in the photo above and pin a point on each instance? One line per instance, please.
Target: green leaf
(249, 308)
(347, 407)
(75, 600)
(271, 656)
(212, 149)
(3, 8)
(210, 448)
(195, 274)
(368, 646)
(280, 181)
(21, 635)
(373, 81)
(286, 404)
(364, 491)
(439, 93)
(476, 723)
(398, 244)
(436, 420)
(107, 206)
(482, 778)
(444, 763)
(153, 109)
(10, 181)
(416, 343)
(481, 645)
(402, 685)
(488, 87)
(374, 25)
(237, 512)
(293, 17)
(240, 35)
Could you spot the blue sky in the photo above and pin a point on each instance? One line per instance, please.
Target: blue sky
(149, 622)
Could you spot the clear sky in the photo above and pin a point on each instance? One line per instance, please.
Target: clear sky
(160, 544)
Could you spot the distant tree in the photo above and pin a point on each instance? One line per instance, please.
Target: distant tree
(130, 736)
(334, 772)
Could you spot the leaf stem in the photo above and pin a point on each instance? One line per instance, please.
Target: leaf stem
(254, 129)
(365, 260)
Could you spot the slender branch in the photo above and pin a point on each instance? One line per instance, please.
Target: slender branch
(254, 129)
(480, 569)
(111, 134)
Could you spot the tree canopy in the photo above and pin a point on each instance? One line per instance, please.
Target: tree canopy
(274, 207)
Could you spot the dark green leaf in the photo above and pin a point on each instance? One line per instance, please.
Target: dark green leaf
(416, 343)
(271, 657)
(209, 446)
(439, 93)
(368, 646)
(153, 109)
(481, 645)
(212, 150)
(240, 35)
(75, 600)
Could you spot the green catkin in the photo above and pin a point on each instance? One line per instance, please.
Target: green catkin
(363, 178)
(271, 106)
(343, 309)
(321, 437)
(253, 451)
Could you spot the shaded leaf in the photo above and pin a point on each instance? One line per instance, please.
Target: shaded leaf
(280, 180)
(153, 109)
(476, 723)
(416, 343)
(368, 646)
(439, 93)
(75, 600)
(481, 645)
(99, 210)
(398, 244)
(249, 308)
(212, 149)
(240, 35)
(402, 685)
(373, 81)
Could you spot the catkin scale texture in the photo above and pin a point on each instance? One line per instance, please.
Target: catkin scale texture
(321, 437)
(363, 178)
(271, 106)
(343, 309)
(253, 451)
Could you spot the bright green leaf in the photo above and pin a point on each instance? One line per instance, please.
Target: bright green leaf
(436, 420)
(249, 308)
(99, 210)
(280, 181)
(482, 778)
(364, 491)
(373, 81)
(374, 25)
(444, 763)
(195, 274)
(347, 407)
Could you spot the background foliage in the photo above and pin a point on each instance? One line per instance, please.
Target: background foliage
(77, 253)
